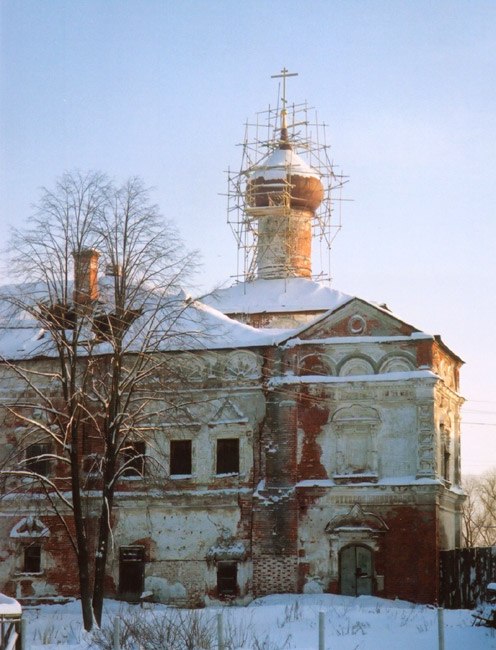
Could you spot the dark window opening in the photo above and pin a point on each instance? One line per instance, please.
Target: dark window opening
(32, 559)
(134, 457)
(180, 457)
(445, 453)
(446, 464)
(228, 456)
(35, 461)
(131, 572)
(227, 574)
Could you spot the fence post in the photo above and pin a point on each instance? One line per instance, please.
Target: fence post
(116, 634)
(220, 631)
(321, 631)
(22, 633)
(440, 627)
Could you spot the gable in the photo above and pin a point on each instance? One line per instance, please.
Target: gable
(356, 318)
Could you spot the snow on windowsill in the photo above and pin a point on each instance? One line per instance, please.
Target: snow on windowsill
(178, 477)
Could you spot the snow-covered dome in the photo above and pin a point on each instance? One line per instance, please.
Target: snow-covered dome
(284, 174)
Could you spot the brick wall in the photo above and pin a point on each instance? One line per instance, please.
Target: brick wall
(274, 575)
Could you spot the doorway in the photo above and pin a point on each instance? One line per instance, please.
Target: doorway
(131, 572)
(356, 571)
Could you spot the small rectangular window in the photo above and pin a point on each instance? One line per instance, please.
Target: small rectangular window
(227, 574)
(228, 456)
(180, 457)
(35, 461)
(32, 559)
(134, 456)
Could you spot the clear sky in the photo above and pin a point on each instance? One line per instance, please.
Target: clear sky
(161, 89)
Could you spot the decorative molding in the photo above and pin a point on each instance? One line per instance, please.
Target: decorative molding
(242, 365)
(357, 519)
(228, 413)
(29, 527)
(426, 441)
(357, 324)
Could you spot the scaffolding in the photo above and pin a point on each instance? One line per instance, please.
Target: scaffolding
(307, 138)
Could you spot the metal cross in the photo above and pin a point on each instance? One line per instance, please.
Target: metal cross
(284, 74)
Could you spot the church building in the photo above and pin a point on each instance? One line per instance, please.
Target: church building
(319, 451)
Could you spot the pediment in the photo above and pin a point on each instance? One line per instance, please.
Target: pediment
(357, 318)
(356, 519)
(29, 527)
(228, 413)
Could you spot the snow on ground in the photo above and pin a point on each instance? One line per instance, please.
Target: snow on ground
(290, 622)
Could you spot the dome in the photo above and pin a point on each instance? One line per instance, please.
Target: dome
(283, 173)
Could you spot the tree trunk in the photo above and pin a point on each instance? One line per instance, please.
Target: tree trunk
(84, 586)
(81, 538)
(103, 537)
(100, 564)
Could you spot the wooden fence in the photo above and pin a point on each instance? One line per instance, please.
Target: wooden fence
(11, 632)
(464, 575)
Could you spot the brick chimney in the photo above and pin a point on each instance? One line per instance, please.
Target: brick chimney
(85, 276)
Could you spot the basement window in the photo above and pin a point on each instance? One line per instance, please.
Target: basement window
(227, 575)
(228, 456)
(134, 456)
(32, 559)
(34, 459)
(180, 457)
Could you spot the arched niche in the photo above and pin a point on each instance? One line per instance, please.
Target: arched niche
(357, 365)
(242, 365)
(316, 364)
(397, 363)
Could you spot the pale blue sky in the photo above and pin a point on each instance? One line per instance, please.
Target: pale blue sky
(161, 89)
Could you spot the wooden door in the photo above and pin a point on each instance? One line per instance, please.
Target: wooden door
(131, 572)
(356, 571)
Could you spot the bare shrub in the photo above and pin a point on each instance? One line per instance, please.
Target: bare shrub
(173, 629)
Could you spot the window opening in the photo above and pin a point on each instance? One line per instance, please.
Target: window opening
(445, 453)
(227, 574)
(131, 572)
(180, 457)
(134, 456)
(32, 559)
(228, 456)
(34, 459)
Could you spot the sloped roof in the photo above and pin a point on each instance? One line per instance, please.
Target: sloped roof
(177, 322)
(276, 296)
(180, 323)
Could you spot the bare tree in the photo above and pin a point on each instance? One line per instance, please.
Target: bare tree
(98, 359)
(479, 510)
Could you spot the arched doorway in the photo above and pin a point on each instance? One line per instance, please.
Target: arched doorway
(356, 571)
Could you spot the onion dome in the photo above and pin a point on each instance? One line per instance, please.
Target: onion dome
(284, 179)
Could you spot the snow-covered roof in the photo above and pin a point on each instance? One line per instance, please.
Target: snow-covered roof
(279, 163)
(179, 323)
(279, 295)
(9, 606)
